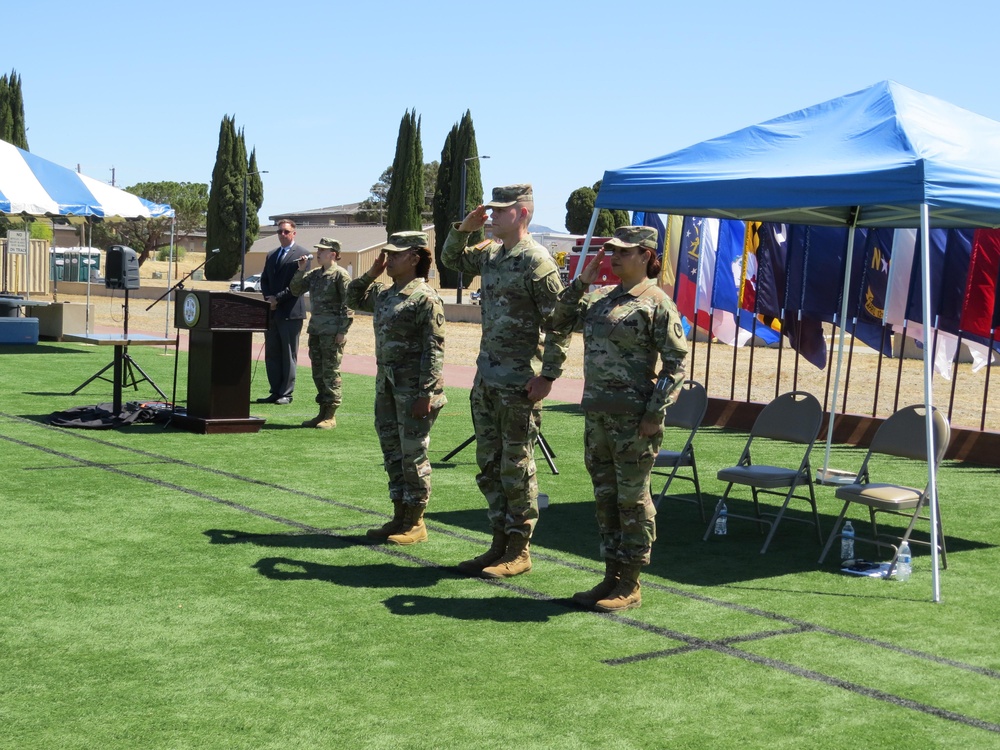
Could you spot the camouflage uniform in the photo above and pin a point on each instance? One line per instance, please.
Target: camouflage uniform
(409, 351)
(623, 331)
(328, 325)
(519, 290)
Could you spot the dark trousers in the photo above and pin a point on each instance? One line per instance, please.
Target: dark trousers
(281, 349)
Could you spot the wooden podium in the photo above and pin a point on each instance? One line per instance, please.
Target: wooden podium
(221, 327)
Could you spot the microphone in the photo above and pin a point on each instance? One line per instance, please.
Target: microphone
(308, 256)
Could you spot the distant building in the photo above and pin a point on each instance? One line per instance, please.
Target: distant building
(329, 216)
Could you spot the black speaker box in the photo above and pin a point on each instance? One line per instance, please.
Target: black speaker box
(121, 268)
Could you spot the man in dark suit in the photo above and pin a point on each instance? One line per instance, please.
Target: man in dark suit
(281, 341)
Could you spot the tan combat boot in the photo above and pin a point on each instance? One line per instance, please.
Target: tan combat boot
(412, 529)
(627, 594)
(497, 549)
(393, 526)
(601, 590)
(516, 560)
(315, 420)
(328, 422)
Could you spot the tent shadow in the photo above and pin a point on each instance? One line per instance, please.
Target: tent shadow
(36, 349)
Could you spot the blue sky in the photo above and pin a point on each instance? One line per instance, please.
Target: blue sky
(559, 91)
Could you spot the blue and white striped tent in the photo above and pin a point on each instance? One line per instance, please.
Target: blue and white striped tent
(33, 186)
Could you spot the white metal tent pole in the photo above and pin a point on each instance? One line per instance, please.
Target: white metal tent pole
(843, 334)
(90, 242)
(925, 300)
(170, 282)
(586, 242)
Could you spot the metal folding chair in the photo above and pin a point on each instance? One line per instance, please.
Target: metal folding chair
(685, 416)
(902, 435)
(791, 419)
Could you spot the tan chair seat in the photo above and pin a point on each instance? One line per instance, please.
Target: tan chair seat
(759, 475)
(880, 495)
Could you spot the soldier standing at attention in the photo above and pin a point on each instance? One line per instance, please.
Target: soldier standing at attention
(409, 387)
(328, 325)
(520, 283)
(624, 402)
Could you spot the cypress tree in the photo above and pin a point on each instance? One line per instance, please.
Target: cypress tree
(6, 113)
(442, 217)
(406, 190)
(449, 204)
(224, 222)
(255, 199)
(19, 131)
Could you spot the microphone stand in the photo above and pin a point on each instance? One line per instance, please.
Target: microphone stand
(180, 284)
(177, 339)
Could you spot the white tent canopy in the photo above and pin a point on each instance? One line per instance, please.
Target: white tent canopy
(33, 186)
(886, 156)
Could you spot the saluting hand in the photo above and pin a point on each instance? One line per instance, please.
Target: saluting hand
(475, 221)
(379, 265)
(589, 273)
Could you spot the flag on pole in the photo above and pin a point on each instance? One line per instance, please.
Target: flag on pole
(979, 307)
(686, 291)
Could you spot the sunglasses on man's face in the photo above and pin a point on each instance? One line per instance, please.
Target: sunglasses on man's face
(284, 231)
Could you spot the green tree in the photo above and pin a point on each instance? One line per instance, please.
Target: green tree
(224, 219)
(459, 151)
(405, 198)
(441, 216)
(372, 209)
(189, 201)
(580, 207)
(12, 124)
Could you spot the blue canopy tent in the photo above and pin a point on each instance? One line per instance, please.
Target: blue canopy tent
(33, 186)
(885, 156)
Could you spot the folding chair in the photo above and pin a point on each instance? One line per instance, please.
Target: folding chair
(792, 418)
(685, 414)
(902, 435)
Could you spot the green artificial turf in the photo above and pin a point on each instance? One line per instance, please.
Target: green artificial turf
(161, 589)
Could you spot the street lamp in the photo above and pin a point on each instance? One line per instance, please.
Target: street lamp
(243, 237)
(465, 200)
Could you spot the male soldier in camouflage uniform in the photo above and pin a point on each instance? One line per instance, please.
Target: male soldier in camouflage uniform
(624, 402)
(328, 325)
(409, 387)
(520, 283)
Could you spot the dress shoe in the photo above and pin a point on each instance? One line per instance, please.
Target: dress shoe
(272, 399)
(283, 400)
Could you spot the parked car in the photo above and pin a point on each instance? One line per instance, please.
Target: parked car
(475, 297)
(250, 284)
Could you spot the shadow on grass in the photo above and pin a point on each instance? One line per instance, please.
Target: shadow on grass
(384, 575)
(495, 609)
(680, 555)
(291, 541)
(36, 349)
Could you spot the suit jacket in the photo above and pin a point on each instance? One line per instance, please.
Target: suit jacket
(274, 282)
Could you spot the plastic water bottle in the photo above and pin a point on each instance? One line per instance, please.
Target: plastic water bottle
(721, 521)
(903, 563)
(847, 542)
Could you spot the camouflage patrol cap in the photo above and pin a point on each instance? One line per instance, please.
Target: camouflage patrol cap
(401, 241)
(328, 243)
(635, 237)
(507, 196)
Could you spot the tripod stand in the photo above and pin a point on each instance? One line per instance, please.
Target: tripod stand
(124, 367)
(543, 445)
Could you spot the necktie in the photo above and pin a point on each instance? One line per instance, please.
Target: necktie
(279, 256)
